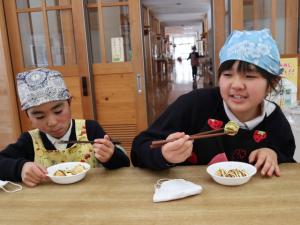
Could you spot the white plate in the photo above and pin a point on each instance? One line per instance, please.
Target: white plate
(67, 166)
(231, 181)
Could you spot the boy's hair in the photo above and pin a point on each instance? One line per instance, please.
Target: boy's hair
(256, 47)
(39, 86)
(244, 67)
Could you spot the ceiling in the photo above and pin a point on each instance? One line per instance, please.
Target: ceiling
(178, 12)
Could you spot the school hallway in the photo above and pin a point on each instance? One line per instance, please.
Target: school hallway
(165, 89)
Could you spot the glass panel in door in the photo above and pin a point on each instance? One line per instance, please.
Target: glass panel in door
(94, 34)
(33, 39)
(117, 34)
(61, 34)
(47, 37)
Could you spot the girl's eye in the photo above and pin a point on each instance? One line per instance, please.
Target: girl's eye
(226, 74)
(250, 76)
(39, 117)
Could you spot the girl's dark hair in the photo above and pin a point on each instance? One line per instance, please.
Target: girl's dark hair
(272, 80)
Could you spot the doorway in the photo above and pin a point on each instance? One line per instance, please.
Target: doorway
(170, 29)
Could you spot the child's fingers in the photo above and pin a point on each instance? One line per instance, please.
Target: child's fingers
(252, 156)
(106, 137)
(30, 173)
(179, 145)
(176, 135)
(30, 183)
(277, 170)
(270, 167)
(44, 173)
(38, 174)
(103, 155)
(31, 179)
(105, 141)
(42, 169)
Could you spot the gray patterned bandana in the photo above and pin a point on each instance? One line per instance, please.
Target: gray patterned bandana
(39, 86)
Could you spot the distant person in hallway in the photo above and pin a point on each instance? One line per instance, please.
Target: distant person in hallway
(249, 70)
(46, 101)
(194, 57)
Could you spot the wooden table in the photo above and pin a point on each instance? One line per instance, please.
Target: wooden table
(124, 196)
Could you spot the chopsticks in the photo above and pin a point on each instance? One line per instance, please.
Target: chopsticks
(231, 128)
(205, 134)
(115, 142)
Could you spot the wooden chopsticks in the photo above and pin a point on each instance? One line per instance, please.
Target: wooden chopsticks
(205, 134)
(115, 142)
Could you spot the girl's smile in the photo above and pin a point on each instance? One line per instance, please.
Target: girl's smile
(243, 91)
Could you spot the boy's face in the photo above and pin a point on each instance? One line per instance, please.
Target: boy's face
(53, 118)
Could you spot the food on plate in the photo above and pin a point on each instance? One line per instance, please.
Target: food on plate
(59, 173)
(69, 172)
(231, 128)
(231, 173)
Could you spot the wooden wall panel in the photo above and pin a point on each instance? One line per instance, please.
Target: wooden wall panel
(116, 110)
(73, 83)
(291, 24)
(123, 133)
(115, 107)
(9, 119)
(219, 30)
(237, 17)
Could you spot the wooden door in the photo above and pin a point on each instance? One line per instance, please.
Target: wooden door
(97, 45)
(115, 30)
(48, 34)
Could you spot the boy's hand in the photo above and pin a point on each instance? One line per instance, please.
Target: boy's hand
(33, 174)
(103, 149)
(266, 159)
(177, 151)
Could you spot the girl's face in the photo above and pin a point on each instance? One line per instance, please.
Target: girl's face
(53, 118)
(243, 92)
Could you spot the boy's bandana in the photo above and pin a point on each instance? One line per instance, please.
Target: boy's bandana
(256, 47)
(39, 86)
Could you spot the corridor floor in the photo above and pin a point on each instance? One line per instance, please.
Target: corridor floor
(164, 89)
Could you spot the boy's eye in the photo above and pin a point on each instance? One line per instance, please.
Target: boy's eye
(39, 117)
(58, 112)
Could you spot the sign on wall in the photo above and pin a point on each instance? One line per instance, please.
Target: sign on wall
(117, 49)
(290, 78)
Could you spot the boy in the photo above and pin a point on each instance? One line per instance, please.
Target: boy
(46, 100)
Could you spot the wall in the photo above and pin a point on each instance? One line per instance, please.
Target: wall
(9, 120)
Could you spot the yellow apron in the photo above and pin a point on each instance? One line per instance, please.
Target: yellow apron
(76, 153)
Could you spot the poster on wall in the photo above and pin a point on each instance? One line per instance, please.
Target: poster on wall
(286, 95)
(117, 49)
(290, 79)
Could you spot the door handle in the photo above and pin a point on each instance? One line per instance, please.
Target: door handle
(139, 83)
(84, 86)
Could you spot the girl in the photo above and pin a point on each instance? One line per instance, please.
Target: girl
(46, 100)
(249, 70)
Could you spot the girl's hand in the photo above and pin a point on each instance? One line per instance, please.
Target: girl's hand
(266, 159)
(177, 151)
(103, 148)
(33, 174)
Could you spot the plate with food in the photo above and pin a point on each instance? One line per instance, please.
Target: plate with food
(68, 172)
(231, 173)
